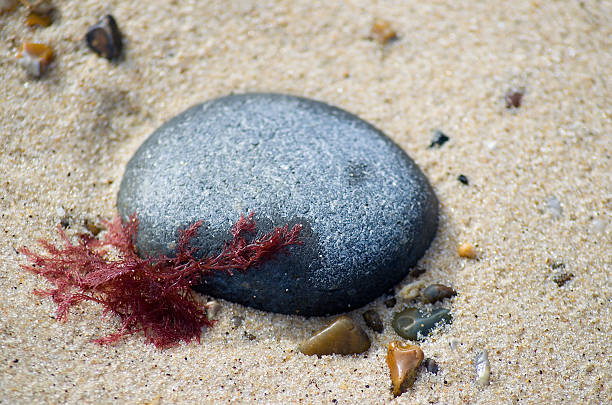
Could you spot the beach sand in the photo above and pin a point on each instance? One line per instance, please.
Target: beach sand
(539, 193)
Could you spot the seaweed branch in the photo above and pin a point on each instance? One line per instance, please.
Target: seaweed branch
(150, 295)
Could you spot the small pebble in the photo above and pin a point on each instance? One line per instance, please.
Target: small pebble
(430, 366)
(436, 292)
(438, 139)
(463, 179)
(105, 39)
(403, 360)
(382, 32)
(212, 308)
(554, 207)
(513, 98)
(412, 291)
(92, 227)
(416, 324)
(237, 321)
(40, 20)
(483, 370)
(416, 272)
(342, 336)
(467, 250)
(249, 336)
(35, 58)
(561, 278)
(372, 319)
(391, 302)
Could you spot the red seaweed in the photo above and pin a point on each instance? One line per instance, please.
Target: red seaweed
(150, 295)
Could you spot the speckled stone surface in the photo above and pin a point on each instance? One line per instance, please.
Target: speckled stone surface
(368, 211)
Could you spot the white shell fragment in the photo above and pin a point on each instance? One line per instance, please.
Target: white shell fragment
(554, 206)
(483, 370)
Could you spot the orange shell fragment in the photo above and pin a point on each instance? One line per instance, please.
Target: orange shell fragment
(35, 58)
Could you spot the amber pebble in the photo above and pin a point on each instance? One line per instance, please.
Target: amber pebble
(35, 58)
(382, 31)
(105, 39)
(467, 250)
(342, 336)
(41, 20)
(403, 360)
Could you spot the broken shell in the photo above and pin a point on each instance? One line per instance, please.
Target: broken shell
(403, 360)
(483, 370)
(35, 58)
(212, 308)
(342, 336)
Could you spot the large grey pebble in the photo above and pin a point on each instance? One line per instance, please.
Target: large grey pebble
(368, 211)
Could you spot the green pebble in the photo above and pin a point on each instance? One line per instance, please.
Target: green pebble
(416, 324)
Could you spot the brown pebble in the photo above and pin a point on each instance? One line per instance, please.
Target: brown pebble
(105, 39)
(40, 20)
(372, 319)
(467, 250)
(416, 272)
(403, 360)
(342, 336)
(436, 292)
(35, 58)
(391, 302)
(514, 98)
(249, 336)
(382, 32)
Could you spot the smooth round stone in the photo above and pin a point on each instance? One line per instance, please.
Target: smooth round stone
(368, 211)
(342, 336)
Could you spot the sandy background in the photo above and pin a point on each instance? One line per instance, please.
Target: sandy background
(65, 140)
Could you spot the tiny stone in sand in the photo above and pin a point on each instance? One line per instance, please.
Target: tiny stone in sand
(373, 320)
(467, 250)
(436, 292)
